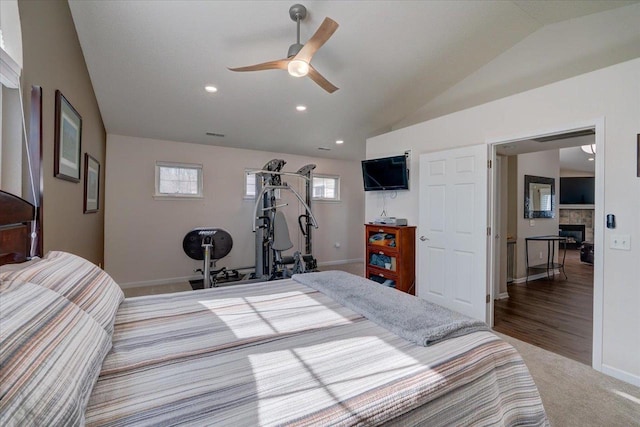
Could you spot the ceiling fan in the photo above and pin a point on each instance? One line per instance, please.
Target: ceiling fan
(298, 60)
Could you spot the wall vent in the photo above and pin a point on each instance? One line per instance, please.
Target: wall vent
(219, 135)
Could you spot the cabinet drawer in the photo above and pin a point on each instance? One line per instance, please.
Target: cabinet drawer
(381, 272)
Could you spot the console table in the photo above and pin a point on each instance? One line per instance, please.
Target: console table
(550, 265)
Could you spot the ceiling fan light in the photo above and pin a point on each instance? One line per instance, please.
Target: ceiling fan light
(589, 149)
(298, 68)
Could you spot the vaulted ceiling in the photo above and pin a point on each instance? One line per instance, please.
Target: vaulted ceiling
(149, 62)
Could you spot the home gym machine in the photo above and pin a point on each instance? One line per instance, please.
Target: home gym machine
(271, 234)
(209, 245)
(270, 227)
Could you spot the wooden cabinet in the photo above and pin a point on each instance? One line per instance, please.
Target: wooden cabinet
(390, 254)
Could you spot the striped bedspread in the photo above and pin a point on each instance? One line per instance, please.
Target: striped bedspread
(282, 353)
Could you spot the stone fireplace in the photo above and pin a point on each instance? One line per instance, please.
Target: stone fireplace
(575, 234)
(581, 217)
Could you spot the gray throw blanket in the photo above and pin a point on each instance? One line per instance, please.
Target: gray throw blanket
(409, 317)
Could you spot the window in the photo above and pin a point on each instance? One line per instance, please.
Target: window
(326, 187)
(249, 184)
(178, 180)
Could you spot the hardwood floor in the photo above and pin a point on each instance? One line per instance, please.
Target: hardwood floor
(556, 315)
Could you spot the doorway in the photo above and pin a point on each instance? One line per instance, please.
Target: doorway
(558, 314)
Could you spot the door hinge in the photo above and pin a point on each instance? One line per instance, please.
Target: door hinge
(489, 164)
(488, 231)
(488, 298)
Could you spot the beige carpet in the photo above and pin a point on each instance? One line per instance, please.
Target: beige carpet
(573, 394)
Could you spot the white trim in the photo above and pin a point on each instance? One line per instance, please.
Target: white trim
(582, 125)
(336, 178)
(620, 374)
(326, 201)
(341, 261)
(178, 196)
(493, 248)
(185, 279)
(598, 266)
(502, 295)
(9, 71)
(598, 240)
(158, 282)
(248, 172)
(534, 277)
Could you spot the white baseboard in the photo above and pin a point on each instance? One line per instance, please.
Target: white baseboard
(621, 375)
(534, 277)
(172, 280)
(158, 282)
(341, 261)
(502, 295)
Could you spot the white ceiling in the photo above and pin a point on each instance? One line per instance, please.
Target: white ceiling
(572, 157)
(150, 60)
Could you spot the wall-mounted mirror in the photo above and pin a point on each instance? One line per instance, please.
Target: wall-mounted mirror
(539, 197)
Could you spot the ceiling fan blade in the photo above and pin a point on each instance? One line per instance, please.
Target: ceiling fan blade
(280, 64)
(326, 30)
(321, 81)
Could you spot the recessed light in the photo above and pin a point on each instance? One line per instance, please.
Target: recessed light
(301, 107)
(339, 142)
(591, 159)
(211, 89)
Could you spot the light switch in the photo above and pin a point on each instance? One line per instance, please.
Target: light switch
(532, 223)
(620, 241)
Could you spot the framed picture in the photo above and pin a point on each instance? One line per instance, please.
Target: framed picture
(67, 141)
(91, 184)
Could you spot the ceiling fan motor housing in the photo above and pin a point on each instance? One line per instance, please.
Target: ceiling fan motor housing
(294, 49)
(297, 11)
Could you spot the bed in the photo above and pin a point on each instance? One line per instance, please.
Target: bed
(74, 351)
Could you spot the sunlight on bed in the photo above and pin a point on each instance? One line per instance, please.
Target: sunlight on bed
(327, 375)
(274, 313)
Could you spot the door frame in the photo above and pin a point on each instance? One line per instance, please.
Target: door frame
(598, 265)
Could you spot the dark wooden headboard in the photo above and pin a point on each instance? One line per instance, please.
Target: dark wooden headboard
(16, 216)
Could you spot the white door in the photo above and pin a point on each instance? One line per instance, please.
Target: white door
(452, 254)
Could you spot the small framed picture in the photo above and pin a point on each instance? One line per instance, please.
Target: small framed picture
(67, 141)
(91, 184)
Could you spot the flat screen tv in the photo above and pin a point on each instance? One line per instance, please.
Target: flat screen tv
(577, 191)
(388, 173)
